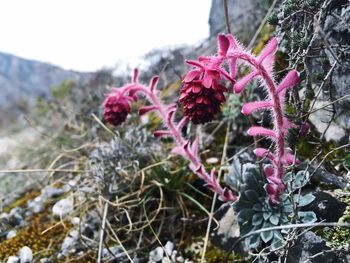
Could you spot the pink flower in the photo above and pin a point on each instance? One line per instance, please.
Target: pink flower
(202, 94)
(116, 107)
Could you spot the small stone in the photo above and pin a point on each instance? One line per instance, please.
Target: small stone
(169, 247)
(13, 259)
(67, 245)
(180, 259)
(74, 234)
(25, 254)
(212, 160)
(11, 234)
(156, 254)
(63, 207)
(75, 221)
(49, 192)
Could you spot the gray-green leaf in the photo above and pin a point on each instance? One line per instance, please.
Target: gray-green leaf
(307, 217)
(257, 219)
(274, 219)
(306, 199)
(266, 236)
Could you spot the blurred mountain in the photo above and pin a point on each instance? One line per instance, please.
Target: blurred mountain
(23, 80)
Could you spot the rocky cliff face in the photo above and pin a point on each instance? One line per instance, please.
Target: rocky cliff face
(245, 17)
(25, 80)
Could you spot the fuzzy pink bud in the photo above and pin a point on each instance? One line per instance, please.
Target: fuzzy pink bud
(269, 170)
(243, 82)
(262, 153)
(223, 44)
(269, 49)
(145, 109)
(134, 78)
(289, 159)
(161, 133)
(250, 107)
(289, 81)
(153, 83)
(260, 131)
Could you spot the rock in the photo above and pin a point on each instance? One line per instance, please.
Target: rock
(11, 234)
(69, 243)
(228, 232)
(322, 176)
(36, 205)
(67, 246)
(13, 259)
(169, 247)
(50, 191)
(335, 31)
(25, 254)
(326, 207)
(312, 249)
(156, 254)
(321, 118)
(75, 221)
(245, 17)
(63, 207)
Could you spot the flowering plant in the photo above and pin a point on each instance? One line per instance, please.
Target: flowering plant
(202, 95)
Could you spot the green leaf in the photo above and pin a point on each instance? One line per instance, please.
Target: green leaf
(305, 199)
(287, 209)
(253, 241)
(276, 243)
(251, 195)
(266, 236)
(307, 217)
(274, 219)
(257, 219)
(266, 215)
(301, 179)
(245, 215)
(288, 177)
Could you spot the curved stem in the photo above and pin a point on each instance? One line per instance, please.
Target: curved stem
(196, 164)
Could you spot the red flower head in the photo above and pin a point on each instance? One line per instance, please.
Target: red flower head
(202, 95)
(116, 107)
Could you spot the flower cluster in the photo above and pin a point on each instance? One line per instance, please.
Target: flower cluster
(116, 107)
(202, 94)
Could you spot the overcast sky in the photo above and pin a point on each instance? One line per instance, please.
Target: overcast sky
(86, 35)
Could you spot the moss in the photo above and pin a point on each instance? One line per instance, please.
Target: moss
(43, 235)
(89, 257)
(213, 254)
(265, 37)
(339, 237)
(22, 200)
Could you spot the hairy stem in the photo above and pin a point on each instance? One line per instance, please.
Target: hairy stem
(187, 152)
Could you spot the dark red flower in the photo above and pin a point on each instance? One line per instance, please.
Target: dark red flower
(202, 95)
(116, 107)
